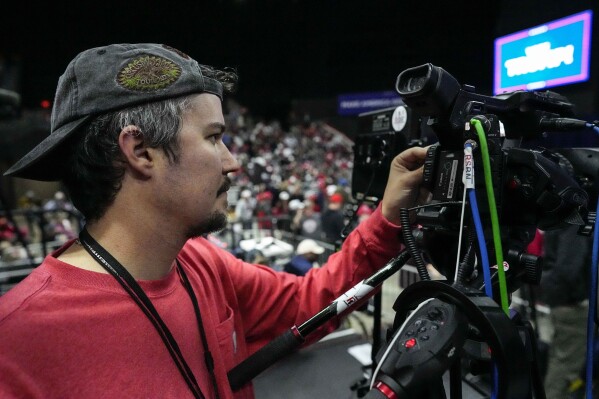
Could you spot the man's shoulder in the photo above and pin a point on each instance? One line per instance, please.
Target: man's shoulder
(202, 252)
(23, 293)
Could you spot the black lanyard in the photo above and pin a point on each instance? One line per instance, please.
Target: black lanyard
(127, 281)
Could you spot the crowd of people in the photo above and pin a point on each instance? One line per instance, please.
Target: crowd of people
(299, 179)
(51, 221)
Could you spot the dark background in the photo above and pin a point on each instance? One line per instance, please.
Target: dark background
(284, 50)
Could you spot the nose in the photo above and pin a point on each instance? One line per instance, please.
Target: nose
(230, 163)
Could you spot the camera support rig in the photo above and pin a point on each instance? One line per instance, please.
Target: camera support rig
(460, 324)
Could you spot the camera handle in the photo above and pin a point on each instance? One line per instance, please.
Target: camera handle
(492, 335)
(293, 338)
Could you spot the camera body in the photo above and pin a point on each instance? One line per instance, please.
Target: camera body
(530, 187)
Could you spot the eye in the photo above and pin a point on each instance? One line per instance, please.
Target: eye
(215, 138)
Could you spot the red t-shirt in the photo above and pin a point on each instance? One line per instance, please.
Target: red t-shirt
(69, 332)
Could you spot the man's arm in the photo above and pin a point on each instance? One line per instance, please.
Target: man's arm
(272, 302)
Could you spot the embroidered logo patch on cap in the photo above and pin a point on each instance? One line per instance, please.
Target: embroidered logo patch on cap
(149, 73)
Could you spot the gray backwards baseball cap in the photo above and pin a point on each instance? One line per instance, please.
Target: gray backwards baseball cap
(106, 79)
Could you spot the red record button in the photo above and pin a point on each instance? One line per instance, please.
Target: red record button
(410, 343)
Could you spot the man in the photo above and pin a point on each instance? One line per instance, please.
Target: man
(306, 221)
(141, 305)
(306, 255)
(564, 288)
(332, 219)
(244, 209)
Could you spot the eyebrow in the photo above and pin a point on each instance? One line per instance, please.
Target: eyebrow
(216, 125)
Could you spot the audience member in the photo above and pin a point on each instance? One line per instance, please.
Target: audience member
(29, 200)
(58, 203)
(307, 254)
(564, 288)
(307, 222)
(244, 209)
(282, 212)
(7, 230)
(10, 247)
(333, 219)
(264, 209)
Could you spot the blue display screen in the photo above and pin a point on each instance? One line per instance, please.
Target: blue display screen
(552, 54)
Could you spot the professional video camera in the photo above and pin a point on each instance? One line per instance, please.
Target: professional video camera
(512, 191)
(531, 188)
(458, 324)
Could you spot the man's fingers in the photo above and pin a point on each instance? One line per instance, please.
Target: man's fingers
(412, 158)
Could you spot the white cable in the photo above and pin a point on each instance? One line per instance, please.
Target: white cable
(392, 343)
(457, 261)
(468, 181)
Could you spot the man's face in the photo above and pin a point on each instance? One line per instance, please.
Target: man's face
(194, 189)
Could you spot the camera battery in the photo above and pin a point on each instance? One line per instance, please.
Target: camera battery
(447, 184)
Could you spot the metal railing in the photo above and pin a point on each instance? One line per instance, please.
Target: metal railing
(21, 257)
(35, 236)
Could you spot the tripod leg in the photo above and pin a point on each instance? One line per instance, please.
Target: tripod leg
(436, 390)
(376, 325)
(455, 380)
(535, 371)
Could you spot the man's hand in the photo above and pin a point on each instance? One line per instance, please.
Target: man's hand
(403, 188)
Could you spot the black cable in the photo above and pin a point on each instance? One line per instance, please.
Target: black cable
(410, 243)
(562, 124)
(466, 265)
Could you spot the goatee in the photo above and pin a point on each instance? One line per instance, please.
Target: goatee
(215, 222)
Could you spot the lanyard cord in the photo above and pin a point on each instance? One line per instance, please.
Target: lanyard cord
(127, 281)
(196, 307)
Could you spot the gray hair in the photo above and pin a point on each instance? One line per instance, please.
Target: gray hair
(96, 163)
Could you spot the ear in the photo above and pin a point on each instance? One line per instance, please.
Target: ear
(136, 154)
